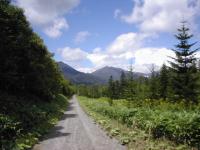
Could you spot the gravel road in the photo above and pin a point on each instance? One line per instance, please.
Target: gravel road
(76, 131)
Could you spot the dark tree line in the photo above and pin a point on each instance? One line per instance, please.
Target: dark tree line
(92, 91)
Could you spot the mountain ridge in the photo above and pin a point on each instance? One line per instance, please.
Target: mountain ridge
(99, 76)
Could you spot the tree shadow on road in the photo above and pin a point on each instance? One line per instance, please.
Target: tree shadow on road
(65, 116)
(70, 107)
(55, 132)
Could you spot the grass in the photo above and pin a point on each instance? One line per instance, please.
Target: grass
(147, 125)
(29, 122)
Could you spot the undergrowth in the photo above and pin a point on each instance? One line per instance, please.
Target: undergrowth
(22, 127)
(156, 124)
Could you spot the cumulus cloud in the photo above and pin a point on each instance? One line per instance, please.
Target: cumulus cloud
(147, 56)
(162, 16)
(127, 47)
(143, 58)
(43, 13)
(56, 29)
(126, 42)
(69, 54)
(81, 36)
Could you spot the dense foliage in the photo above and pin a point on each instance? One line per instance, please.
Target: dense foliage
(26, 121)
(26, 64)
(30, 80)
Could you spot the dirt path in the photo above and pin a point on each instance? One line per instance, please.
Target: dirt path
(76, 131)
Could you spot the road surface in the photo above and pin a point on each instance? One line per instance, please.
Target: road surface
(76, 131)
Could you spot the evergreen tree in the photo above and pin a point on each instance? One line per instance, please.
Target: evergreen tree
(111, 90)
(130, 91)
(184, 67)
(163, 80)
(116, 89)
(153, 83)
(123, 84)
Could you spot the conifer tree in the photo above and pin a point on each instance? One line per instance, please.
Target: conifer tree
(123, 84)
(184, 67)
(163, 82)
(111, 89)
(153, 83)
(116, 89)
(130, 91)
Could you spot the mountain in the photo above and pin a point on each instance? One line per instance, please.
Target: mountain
(105, 73)
(78, 77)
(99, 76)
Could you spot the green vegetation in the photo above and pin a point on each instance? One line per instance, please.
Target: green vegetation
(31, 85)
(27, 122)
(153, 123)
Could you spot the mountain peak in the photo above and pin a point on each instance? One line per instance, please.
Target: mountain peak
(78, 77)
(107, 71)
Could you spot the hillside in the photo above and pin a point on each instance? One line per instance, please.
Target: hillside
(105, 73)
(78, 77)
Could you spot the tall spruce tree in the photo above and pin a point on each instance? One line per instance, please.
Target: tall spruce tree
(116, 89)
(123, 84)
(130, 91)
(111, 90)
(184, 68)
(153, 83)
(163, 82)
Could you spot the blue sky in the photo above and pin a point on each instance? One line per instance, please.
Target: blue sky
(90, 34)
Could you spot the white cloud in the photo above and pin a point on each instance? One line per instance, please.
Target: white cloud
(126, 42)
(118, 53)
(155, 56)
(81, 36)
(55, 30)
(162, 15)
(86, 69)
(98, 59)
(147, 56)
(43, 13)
(72, 54)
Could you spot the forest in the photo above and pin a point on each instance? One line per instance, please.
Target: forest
(32, 88)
